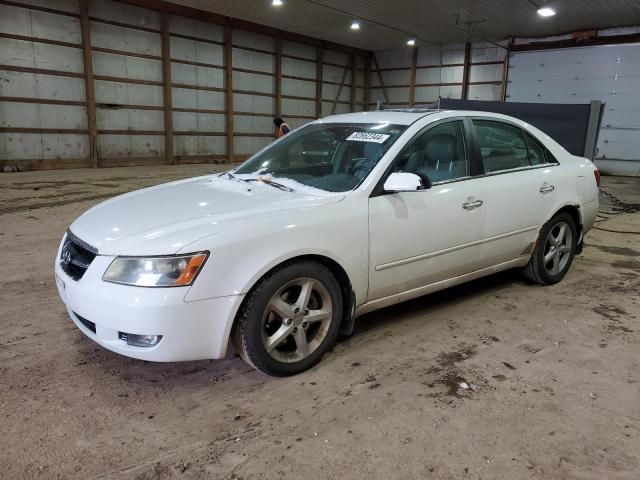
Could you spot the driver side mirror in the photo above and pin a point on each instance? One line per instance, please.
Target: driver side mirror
(405, 182)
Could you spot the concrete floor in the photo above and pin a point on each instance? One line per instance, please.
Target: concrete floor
(556, 372)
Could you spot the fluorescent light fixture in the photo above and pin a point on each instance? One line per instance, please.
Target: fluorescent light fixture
(411, 42)
(546, 12)
(355, 25)
(276, 3)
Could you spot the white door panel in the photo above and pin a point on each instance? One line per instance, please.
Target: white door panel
(422, 237)
(516, 208)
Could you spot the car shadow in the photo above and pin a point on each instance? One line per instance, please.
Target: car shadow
(434, 301)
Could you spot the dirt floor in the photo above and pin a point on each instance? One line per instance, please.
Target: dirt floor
(554, 373)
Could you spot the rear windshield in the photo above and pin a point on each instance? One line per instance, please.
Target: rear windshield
(333, 157)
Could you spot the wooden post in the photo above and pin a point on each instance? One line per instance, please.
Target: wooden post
(89, 87)
(367, 82)
(166, 90)
(228, 88)
(278, 76)
(466, 71)
(354, 91)
(344, 78)
(319, 79)
(412, 78)
(384, 90)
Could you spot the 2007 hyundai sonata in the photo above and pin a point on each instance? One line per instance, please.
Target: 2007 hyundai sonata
(343, 216)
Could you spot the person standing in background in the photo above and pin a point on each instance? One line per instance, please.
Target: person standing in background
(283, 128)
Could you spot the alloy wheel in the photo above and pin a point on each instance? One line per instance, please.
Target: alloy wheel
(557, 248)
(296, 320)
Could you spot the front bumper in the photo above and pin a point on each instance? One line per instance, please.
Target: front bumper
(192, 330)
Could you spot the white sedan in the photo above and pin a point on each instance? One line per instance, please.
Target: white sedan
(346, 215)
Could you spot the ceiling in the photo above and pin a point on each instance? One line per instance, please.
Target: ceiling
(389, 23)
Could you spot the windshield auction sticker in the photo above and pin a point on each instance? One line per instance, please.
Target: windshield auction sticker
(367, 137)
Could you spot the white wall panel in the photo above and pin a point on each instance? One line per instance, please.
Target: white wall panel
(190, 98)
(28, 115)
(28, 146)
(194, 51)
(253, 82)
(263, 62)
(197, 75)
(127, 39)
(195, 28)
(299, 49)
(39, 55)
(299, 88)
(127, 93)
(186, 145)
(127, 119)
(126, 67)
(123, 13)
(253, 103)
(298, 68)
(251, 124)
(33, 23)
(111, 146)
(253, 40)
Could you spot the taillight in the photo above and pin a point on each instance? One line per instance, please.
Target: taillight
(596, 173)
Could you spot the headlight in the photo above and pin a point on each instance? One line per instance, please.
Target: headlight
(174, 271)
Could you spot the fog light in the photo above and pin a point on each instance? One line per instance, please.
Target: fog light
(140, 340)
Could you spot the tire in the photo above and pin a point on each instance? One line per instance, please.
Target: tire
(289, 319)
(557, 243)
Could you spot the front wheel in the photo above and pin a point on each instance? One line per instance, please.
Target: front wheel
(290, 319)
(554, 250)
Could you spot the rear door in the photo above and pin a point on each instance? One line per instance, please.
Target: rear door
(422, 237)
(520, 188)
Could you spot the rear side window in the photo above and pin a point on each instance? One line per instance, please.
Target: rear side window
(502, 146)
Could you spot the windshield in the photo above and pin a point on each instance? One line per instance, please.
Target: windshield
(332, 156)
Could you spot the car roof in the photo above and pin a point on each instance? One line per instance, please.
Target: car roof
(408, 116)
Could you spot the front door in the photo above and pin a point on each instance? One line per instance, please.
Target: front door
(422, 237)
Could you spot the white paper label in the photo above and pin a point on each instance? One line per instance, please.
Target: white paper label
(367, 137)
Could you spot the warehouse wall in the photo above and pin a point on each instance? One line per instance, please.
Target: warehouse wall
(149, 73)
(439, 72)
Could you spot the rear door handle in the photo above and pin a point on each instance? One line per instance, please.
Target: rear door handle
(546, 188)
(472, 205)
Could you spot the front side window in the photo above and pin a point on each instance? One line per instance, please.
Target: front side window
(332, 157)
(439, 153)
(502, 146)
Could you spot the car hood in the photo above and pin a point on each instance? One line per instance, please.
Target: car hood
(166, 218)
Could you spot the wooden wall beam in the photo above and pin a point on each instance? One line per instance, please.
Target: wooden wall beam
(167, 98)
(466, 71)
(384, 90)
(367, 82)
(89, 87)
(412, 78)
(278, 76)
(228, 86)
(354, 90)
(344, 78)
(319, 80)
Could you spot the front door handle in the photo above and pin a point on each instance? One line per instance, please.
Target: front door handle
(546, 188)
(472, 205)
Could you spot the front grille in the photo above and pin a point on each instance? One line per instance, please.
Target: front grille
(88, 324)
(76, 256)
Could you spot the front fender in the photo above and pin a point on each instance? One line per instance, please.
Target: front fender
(242, 255)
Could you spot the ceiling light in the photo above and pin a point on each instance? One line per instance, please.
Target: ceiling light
(411, 42)
(546, 12)
(355, 25)
(276, 3)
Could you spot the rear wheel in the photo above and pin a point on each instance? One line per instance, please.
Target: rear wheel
(289, 319)
(554, 250)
